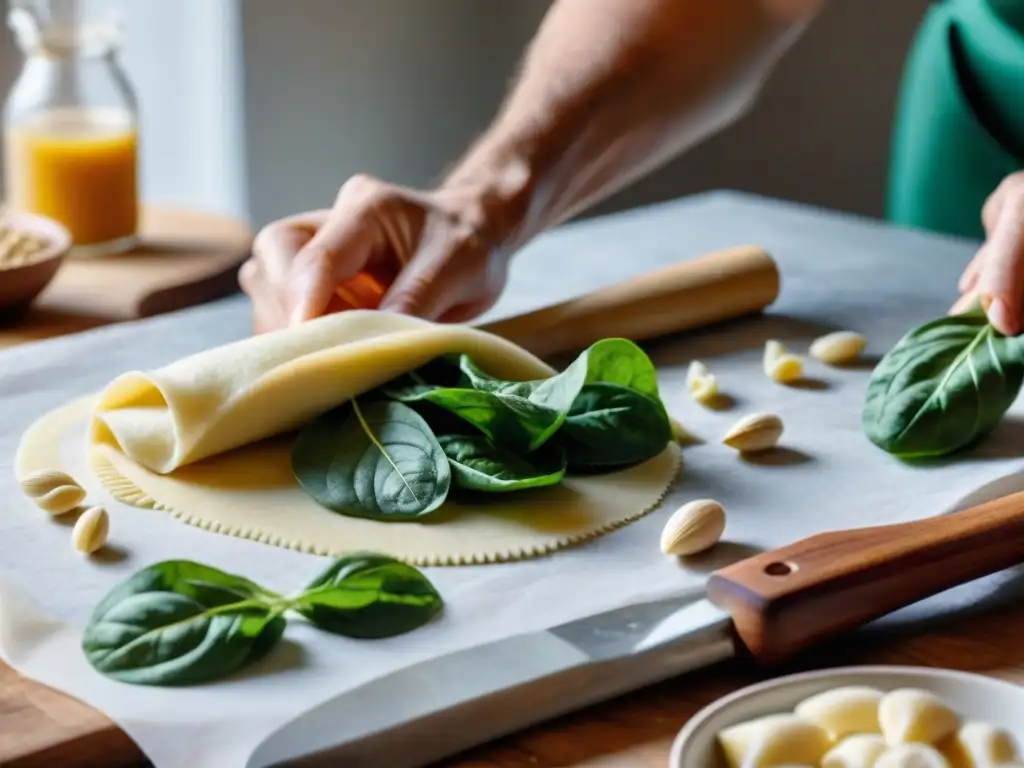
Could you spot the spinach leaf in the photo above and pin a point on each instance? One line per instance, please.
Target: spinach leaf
(622, 362)
(181, 623)
(479, 465)
(555, 392)
(609, 361)
(380, 461)
(365, 595)
(612, 426)
(509, 420)
(943, 386)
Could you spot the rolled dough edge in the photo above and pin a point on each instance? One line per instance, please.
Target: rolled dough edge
(126, 492)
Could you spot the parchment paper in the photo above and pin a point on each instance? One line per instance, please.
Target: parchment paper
(838, 272)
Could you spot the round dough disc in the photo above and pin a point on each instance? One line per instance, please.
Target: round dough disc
(250, 492)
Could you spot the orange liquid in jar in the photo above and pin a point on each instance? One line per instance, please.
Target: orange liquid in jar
(78, 167)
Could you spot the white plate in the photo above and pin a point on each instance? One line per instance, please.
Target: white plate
(972, 696)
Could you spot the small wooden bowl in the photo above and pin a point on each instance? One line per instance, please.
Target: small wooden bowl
(21, 283)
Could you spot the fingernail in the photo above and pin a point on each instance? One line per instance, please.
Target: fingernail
(999, 315)
(969, 302)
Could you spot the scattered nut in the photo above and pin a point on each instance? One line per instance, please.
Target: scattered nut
(693, 528)
(838, 348)
(779, 364)
(18, 249)
(53, 490)
(701, 382)
(91, 530)
(753, 433)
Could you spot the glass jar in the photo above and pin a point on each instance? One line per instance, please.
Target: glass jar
(70, 124)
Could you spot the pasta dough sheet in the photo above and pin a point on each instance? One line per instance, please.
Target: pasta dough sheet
(237, 394)
(208, 440)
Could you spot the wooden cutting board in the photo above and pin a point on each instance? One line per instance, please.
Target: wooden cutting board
(186, 257)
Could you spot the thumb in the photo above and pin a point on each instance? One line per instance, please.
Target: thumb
(1001, 282)
(336, 253)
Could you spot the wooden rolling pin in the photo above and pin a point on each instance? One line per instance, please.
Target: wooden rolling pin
(690, 294)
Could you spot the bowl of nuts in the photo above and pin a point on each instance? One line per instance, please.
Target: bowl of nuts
(854, 717)
(32, 249)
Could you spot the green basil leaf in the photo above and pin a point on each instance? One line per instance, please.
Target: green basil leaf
(479, 465)
(379, 461)
(942, 387)
(367, 596)
(181, 623)
(611, 426)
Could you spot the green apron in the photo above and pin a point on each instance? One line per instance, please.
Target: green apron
(959, 126)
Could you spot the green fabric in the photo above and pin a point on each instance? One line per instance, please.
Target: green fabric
(993, 49)
(959, 127)
(1011, 12)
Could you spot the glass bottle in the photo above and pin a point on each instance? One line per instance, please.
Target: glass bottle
(70, 124)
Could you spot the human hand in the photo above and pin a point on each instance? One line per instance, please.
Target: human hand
(439, 248)
(995, 276)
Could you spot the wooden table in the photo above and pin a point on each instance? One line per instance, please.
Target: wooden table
(185, 257)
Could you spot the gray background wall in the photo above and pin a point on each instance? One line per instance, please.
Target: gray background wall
(398, 87)
(264, 107)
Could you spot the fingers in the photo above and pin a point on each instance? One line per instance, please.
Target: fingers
(375, 234)
(371, 220)
(965, 303)
(969, 279)
(336, 253)
(993, 207)
(1000, 280)
(448, 277)
(990, 213)
(267, 270)
(418, 291)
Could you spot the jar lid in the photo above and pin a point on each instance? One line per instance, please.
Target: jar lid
(63, 27)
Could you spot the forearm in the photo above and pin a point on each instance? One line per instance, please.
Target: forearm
(610, 90)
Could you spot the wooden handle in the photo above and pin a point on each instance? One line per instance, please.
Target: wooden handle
(786, 600)
(711, 288)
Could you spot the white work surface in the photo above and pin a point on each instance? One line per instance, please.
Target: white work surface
(837, 273)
